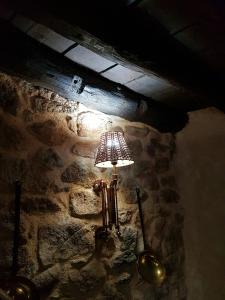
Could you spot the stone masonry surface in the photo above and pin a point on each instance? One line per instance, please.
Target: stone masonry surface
(49, 143)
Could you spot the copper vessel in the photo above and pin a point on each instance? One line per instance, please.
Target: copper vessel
(149, 266)
(18, 288)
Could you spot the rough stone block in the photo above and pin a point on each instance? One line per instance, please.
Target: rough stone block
(129, 238)
(59, 189)
(71, 123)
(47, 277)
(125, 216)
(108, 247)
(139, 132)
(9, 95)
(11, 137)
(6, 255)
(169, 196)
(84, 283)
(122, 278)
(127, 195)
(162, 165)
(135, 147)
(125, 257)
(168, 181)
(151, 150)
(48, 158)
(61, 242)
(90, 124)
(92, 276)
(110, 292)
(150, 180)
(79, 262)
(158, 146)
(6, 226)
(117, 128)
(44, 101)
(142, 167)
(48, 132)
(12, 169)
(27, 116)
(85, 148)
(157, 226)
(80, 172)
(84, 203)
(37, 205)
(37, 181)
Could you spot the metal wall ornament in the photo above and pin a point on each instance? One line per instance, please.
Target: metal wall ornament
(17, 287)
(112, 152)
(149, 266)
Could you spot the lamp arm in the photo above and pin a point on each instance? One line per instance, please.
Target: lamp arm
(110, 216)
(105, 204)
(113, 199)
(116, 221)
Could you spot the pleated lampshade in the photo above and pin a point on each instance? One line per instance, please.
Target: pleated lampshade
(113, 150)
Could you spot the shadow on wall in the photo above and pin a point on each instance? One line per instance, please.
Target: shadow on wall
(49, 143)
(200, 169)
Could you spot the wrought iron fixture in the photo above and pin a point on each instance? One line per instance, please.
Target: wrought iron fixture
(112, 152)
(17, 287)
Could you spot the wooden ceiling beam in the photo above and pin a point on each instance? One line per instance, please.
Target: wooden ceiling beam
(24, 57)
(129, 36)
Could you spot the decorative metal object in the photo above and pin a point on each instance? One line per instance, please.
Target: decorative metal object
(112, 152)
(149, 266)
(17, 287)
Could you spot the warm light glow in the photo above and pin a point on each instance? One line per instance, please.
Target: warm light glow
(143, 260)
(19, 290)
(120, 163)
(158, 272)
(91, 122)
(111, 143)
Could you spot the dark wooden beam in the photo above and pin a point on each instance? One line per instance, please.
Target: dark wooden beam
(23, 57)
(131, 37)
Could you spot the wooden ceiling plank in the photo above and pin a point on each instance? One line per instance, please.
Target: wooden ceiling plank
(131, 38)
(44, 67)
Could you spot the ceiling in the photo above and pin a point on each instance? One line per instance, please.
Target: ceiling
(187, 69)
(199, 25)
(145, 84)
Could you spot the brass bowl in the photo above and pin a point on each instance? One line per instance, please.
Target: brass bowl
(20, 288)
(150, 268)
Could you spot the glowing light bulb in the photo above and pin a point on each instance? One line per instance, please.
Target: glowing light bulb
(159, 272)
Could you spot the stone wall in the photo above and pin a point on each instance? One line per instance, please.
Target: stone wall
(49, 143)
